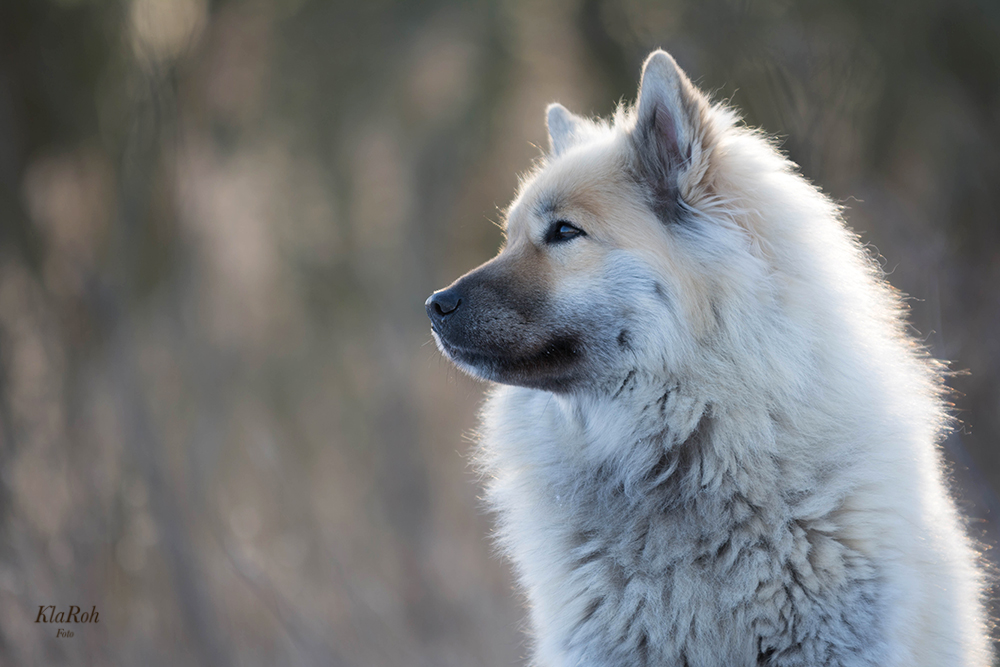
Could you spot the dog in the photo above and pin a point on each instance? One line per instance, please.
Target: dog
(711, 442)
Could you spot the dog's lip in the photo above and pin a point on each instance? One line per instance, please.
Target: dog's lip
(451, 349)
(463, 352)
(531, 370)
(477, 356)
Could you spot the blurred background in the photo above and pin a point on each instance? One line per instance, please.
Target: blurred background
(222, 418)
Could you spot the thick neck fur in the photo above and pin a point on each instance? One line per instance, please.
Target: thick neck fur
(645, 438)
(601, 499)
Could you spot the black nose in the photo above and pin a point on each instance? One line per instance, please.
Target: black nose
(442, 304)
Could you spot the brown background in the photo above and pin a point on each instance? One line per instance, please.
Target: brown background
(221, 418)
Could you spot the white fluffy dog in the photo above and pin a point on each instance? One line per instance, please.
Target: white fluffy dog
(713, 443)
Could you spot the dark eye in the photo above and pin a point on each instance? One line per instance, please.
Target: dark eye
(560, 231)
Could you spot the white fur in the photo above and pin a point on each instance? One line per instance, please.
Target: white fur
(756, 479)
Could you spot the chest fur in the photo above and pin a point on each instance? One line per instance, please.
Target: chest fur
(653, 566)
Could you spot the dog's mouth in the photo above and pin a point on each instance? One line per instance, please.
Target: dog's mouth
(553, 364)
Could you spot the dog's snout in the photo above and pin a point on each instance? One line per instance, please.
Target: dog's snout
(442, 304)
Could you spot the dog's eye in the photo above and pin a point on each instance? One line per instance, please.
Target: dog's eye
(560, 231)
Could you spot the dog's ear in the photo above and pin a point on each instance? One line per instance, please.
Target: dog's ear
(565, 128)
(670, 134)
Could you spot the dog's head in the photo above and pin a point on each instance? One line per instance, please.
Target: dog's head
(603, 269)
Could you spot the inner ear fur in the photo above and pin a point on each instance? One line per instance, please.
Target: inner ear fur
(670, 136)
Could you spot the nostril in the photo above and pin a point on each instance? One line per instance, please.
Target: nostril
(443, 303)
(444, 308)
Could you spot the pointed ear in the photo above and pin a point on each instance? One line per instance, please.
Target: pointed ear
(670, 133)
(565, 128)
